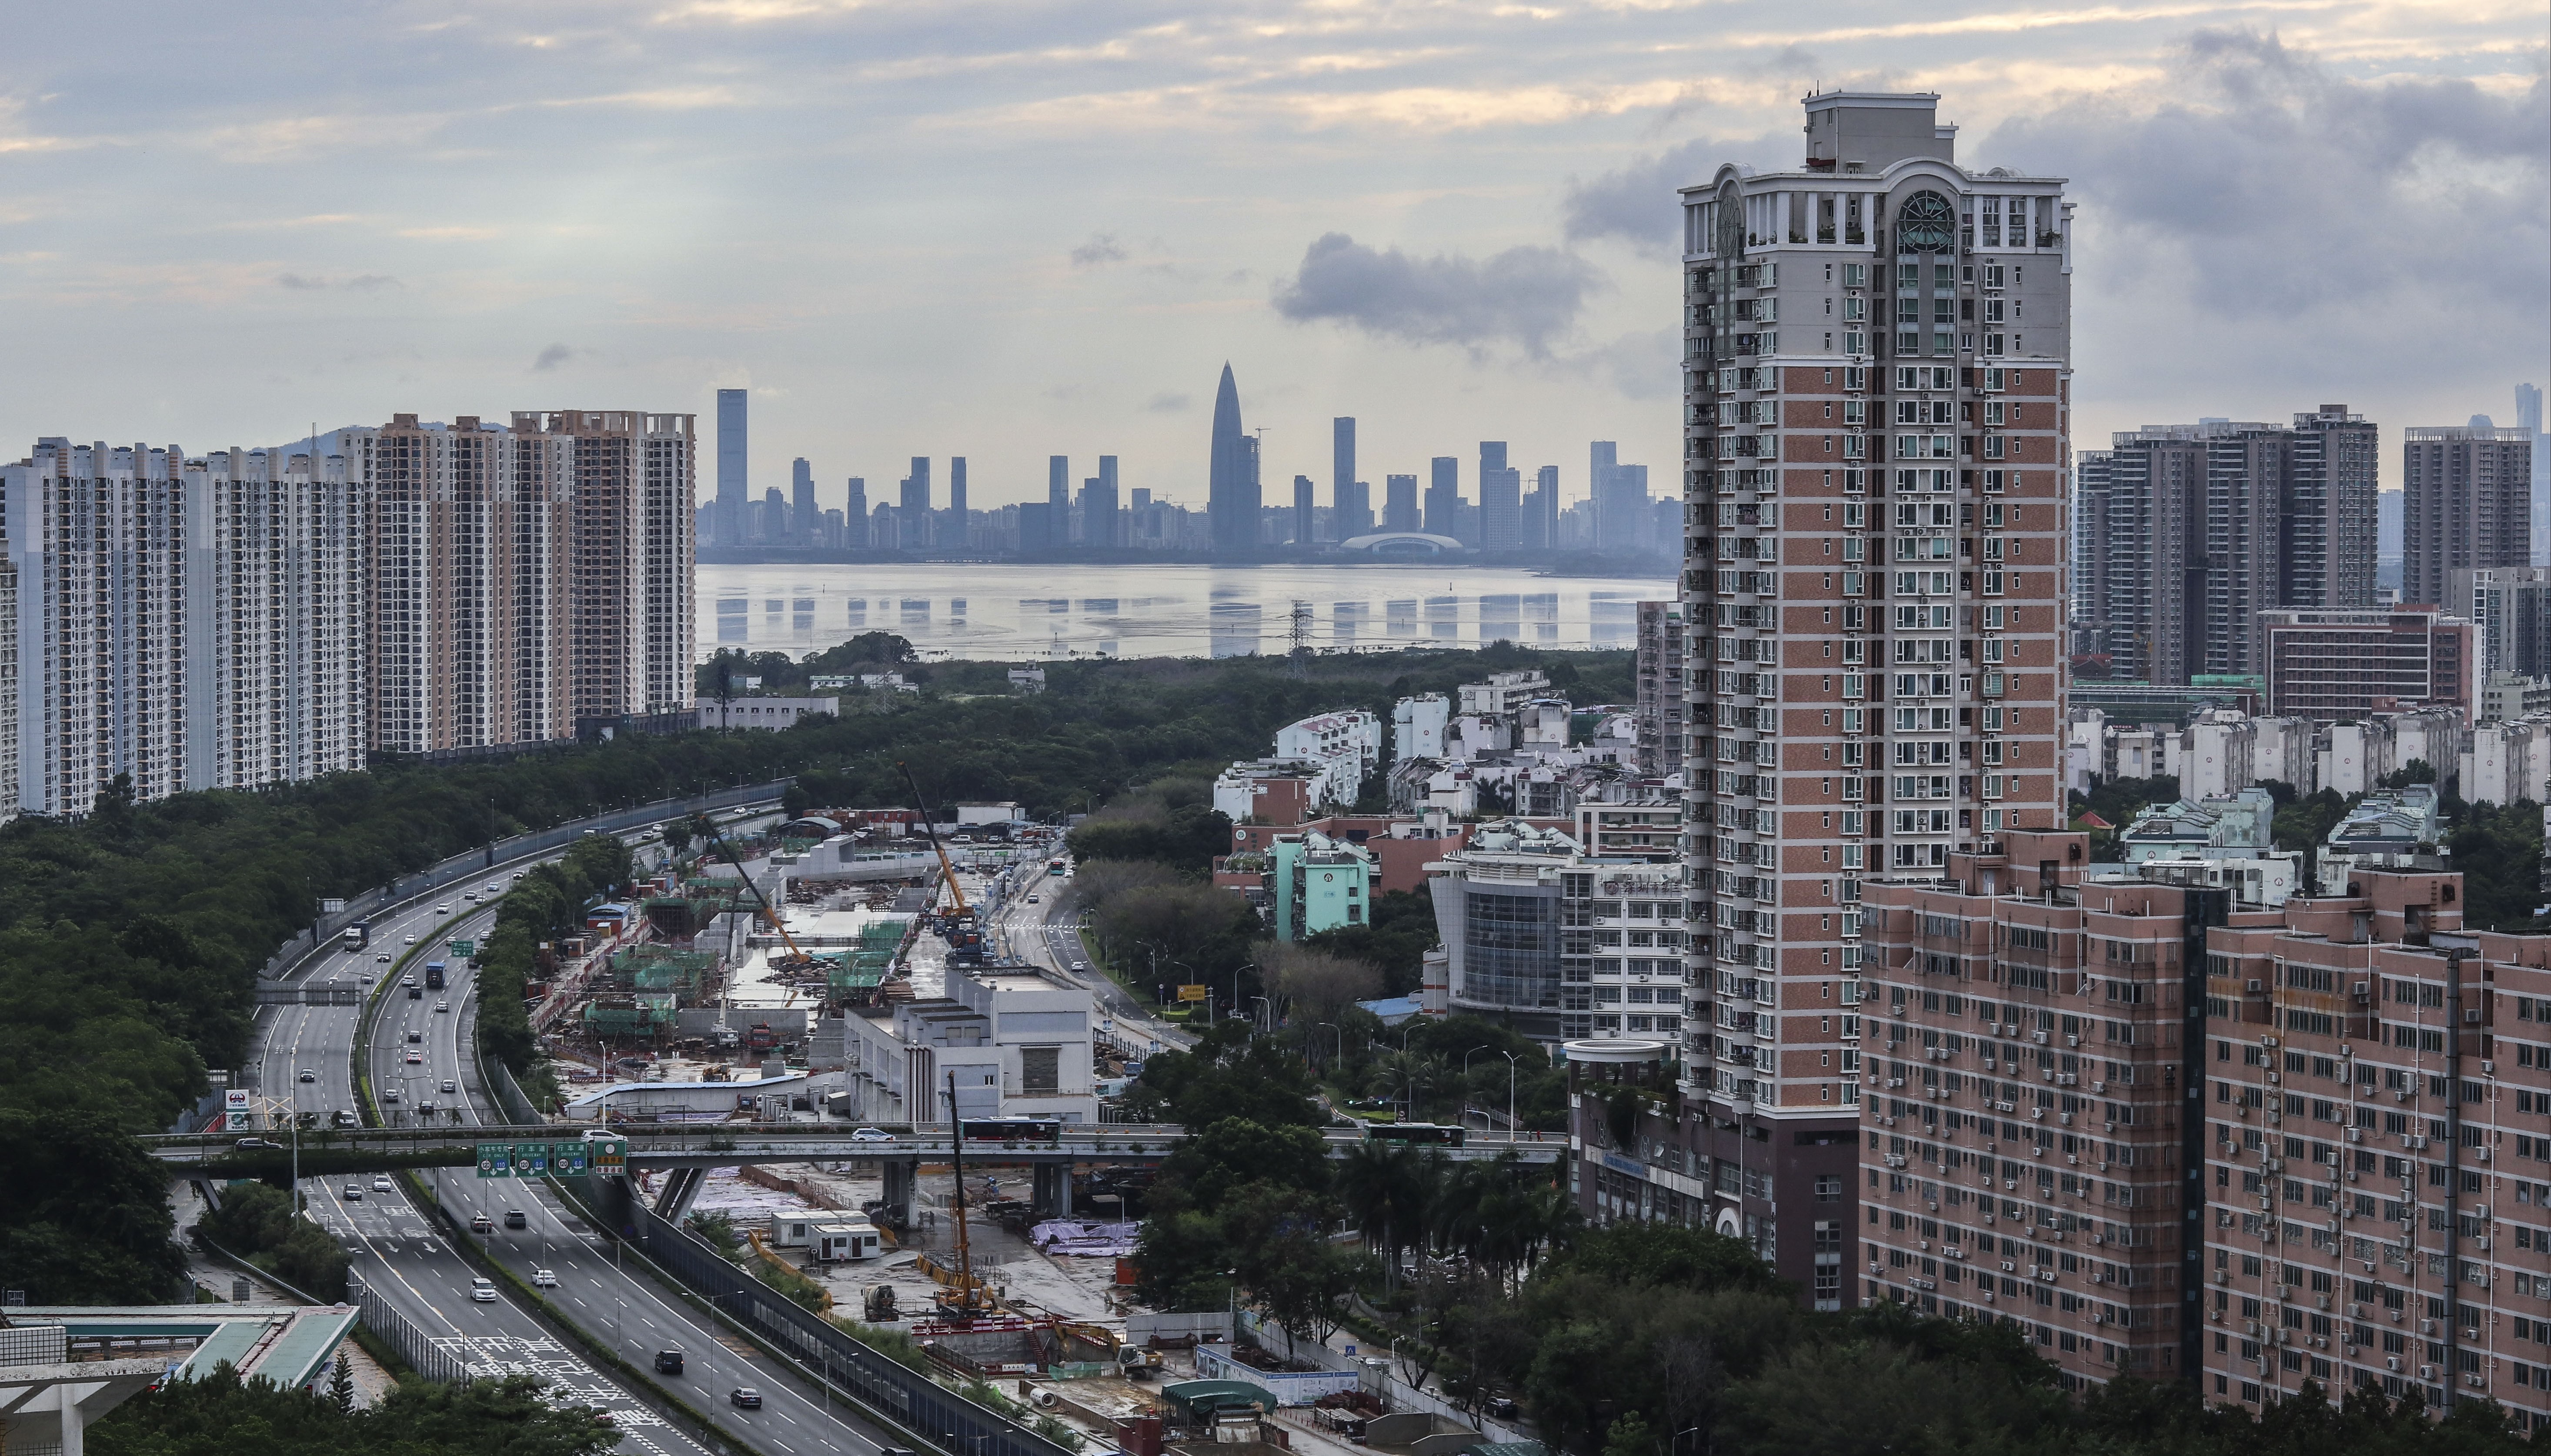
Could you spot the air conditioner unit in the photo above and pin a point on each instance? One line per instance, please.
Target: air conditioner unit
(2072, 1041)
(2323, 1301)
(2480, 1155)
(2391, 1362)
(2223, 1276)
(2470, 1336)
(2256, 987)
(2426, 1327)
(2356, 1134)
(2426, 1372)
(2098, 1087)
(2007, 1266)
(2039, 1037)
(2488, 1068)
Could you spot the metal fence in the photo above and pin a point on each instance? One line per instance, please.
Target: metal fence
(400, 1334)
(478, 861)
(894, 1392)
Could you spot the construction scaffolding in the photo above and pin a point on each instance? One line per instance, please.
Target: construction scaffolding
(635, 1015)
(662, 969)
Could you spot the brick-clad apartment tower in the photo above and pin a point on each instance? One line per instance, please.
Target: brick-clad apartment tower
(2378, 1106)
(1876, 356)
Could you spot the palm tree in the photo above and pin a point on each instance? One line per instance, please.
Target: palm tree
(1385, 1187)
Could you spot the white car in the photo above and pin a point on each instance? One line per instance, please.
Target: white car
(381, 1186)
(442, 1005)
(415, 1059)
(543, 1279)
(872, 1136)
(411, 940)
(494, 886)
(443, 909)
(482, 1290)
(384, 958)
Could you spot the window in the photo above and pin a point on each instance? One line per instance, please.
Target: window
(1040, 1071)
(1828, 1188)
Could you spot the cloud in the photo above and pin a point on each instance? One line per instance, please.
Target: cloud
(1166, 403)
(1102, 247)
(297, 281)
(369, 281)
(2262, 184)
(1525, 296)
(555, 356)
(1637, 203)
(1642, 365)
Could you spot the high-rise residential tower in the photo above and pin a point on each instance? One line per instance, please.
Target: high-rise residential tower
(1232, 486)
(1541, 511)
(1305, 510)
(854, 518)
(732, 484)
(2467, 503)
(1877, 362)
(2529, 418)
(1102, 519)
(1057, 483)
(956, 534)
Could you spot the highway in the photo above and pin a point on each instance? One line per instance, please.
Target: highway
(1048, 934)
(406, 1257)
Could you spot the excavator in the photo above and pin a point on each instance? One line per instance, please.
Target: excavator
(958, 926)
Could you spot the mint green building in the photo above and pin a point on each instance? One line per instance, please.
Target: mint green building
(1318, 884)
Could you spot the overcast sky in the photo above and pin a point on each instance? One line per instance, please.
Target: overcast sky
(1008, 231)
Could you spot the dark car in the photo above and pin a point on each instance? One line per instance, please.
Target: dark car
(669, 1362)
(416, 994)
(745, 1397)
(514, 1219)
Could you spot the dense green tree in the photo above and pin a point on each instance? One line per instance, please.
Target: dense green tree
(1636, 1254)
(1205, 1167)
(258, 1223)
(84, 1214)
(1400, 931)
(221, 1416)
(1227, 1073)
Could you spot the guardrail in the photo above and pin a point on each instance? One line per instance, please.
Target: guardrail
(400, 1334)
(900, 1396)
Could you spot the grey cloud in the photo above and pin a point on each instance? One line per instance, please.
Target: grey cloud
(369, 281)
(556, 356)
(1642, 366)
(1526, 297)
(2269, 184)
(297, 281)
(1637, 203)
(1102, 247)
(1166, 403)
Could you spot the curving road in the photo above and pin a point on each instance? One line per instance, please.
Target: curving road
(406, 1256)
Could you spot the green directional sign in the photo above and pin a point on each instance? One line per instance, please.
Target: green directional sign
(495, 1160)
(531, 1160)
(567, 1160)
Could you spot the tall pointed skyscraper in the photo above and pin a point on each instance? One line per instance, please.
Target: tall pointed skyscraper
(1233, 486)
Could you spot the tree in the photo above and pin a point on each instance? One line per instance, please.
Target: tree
(84, 1214)
(341, 1385)
(1207, 1165)
(1641, 1254)
(1277, 1233)
(1630, 1436)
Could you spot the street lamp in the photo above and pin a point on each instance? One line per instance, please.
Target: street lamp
(1511, 1064)
(1466, 1074)
(1342, 1040)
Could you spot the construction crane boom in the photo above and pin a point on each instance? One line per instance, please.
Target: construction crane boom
(796, 957)
(946, 866)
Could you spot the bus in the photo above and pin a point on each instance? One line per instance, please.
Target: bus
(355, 938)
(1416, 1132)
(434, 976)
(1053, 867)
(1046, 1130)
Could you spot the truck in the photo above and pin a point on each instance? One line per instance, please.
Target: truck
(355, 938)
(434, 974)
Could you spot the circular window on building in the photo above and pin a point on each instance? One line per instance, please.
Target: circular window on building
(1926, 222)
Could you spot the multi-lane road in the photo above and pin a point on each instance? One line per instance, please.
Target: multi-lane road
(406, 1256)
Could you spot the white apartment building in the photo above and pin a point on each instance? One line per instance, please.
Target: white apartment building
(1346, 749)
(188, 623)
(2509, 760)
(1418, 727)
(1018, 1041)
(1876, 368)
(1503, 692)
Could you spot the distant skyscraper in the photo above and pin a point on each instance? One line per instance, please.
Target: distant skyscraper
(957, 534)
(1304, 510)
(1622, 511)
(1233, 493)
(2529, 418)
(1500, 499)
(731, 480)
(1399, 504)
(1444, 497)
(1541, 512)
(808, 519)
(912, 509)
(1350, 506)
(854, 521)
(1102, 523)
(1057, 483)
(2468, 503)
(1037, 521)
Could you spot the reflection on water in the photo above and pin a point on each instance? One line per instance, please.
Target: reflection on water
(1012, 612)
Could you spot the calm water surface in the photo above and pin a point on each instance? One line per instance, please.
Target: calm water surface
(1020, 612)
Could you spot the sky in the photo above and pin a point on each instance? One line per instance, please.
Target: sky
(1010, 231)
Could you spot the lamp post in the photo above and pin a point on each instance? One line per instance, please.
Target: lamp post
(1511, 1065)
(1466, 1075)
(1342, 1040)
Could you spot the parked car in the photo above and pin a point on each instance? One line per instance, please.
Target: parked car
(745, 1397)
(482, 1290)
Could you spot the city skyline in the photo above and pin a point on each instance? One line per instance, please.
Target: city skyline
(1470, 222)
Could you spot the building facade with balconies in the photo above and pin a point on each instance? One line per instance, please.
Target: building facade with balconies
(1877, 375)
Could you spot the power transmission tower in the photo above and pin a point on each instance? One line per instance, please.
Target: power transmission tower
(1301, 637)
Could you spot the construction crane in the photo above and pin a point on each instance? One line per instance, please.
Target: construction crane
(970, 1298)
(796, 958)
(946, 866)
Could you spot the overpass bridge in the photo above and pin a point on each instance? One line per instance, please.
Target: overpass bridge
(684, 1151)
